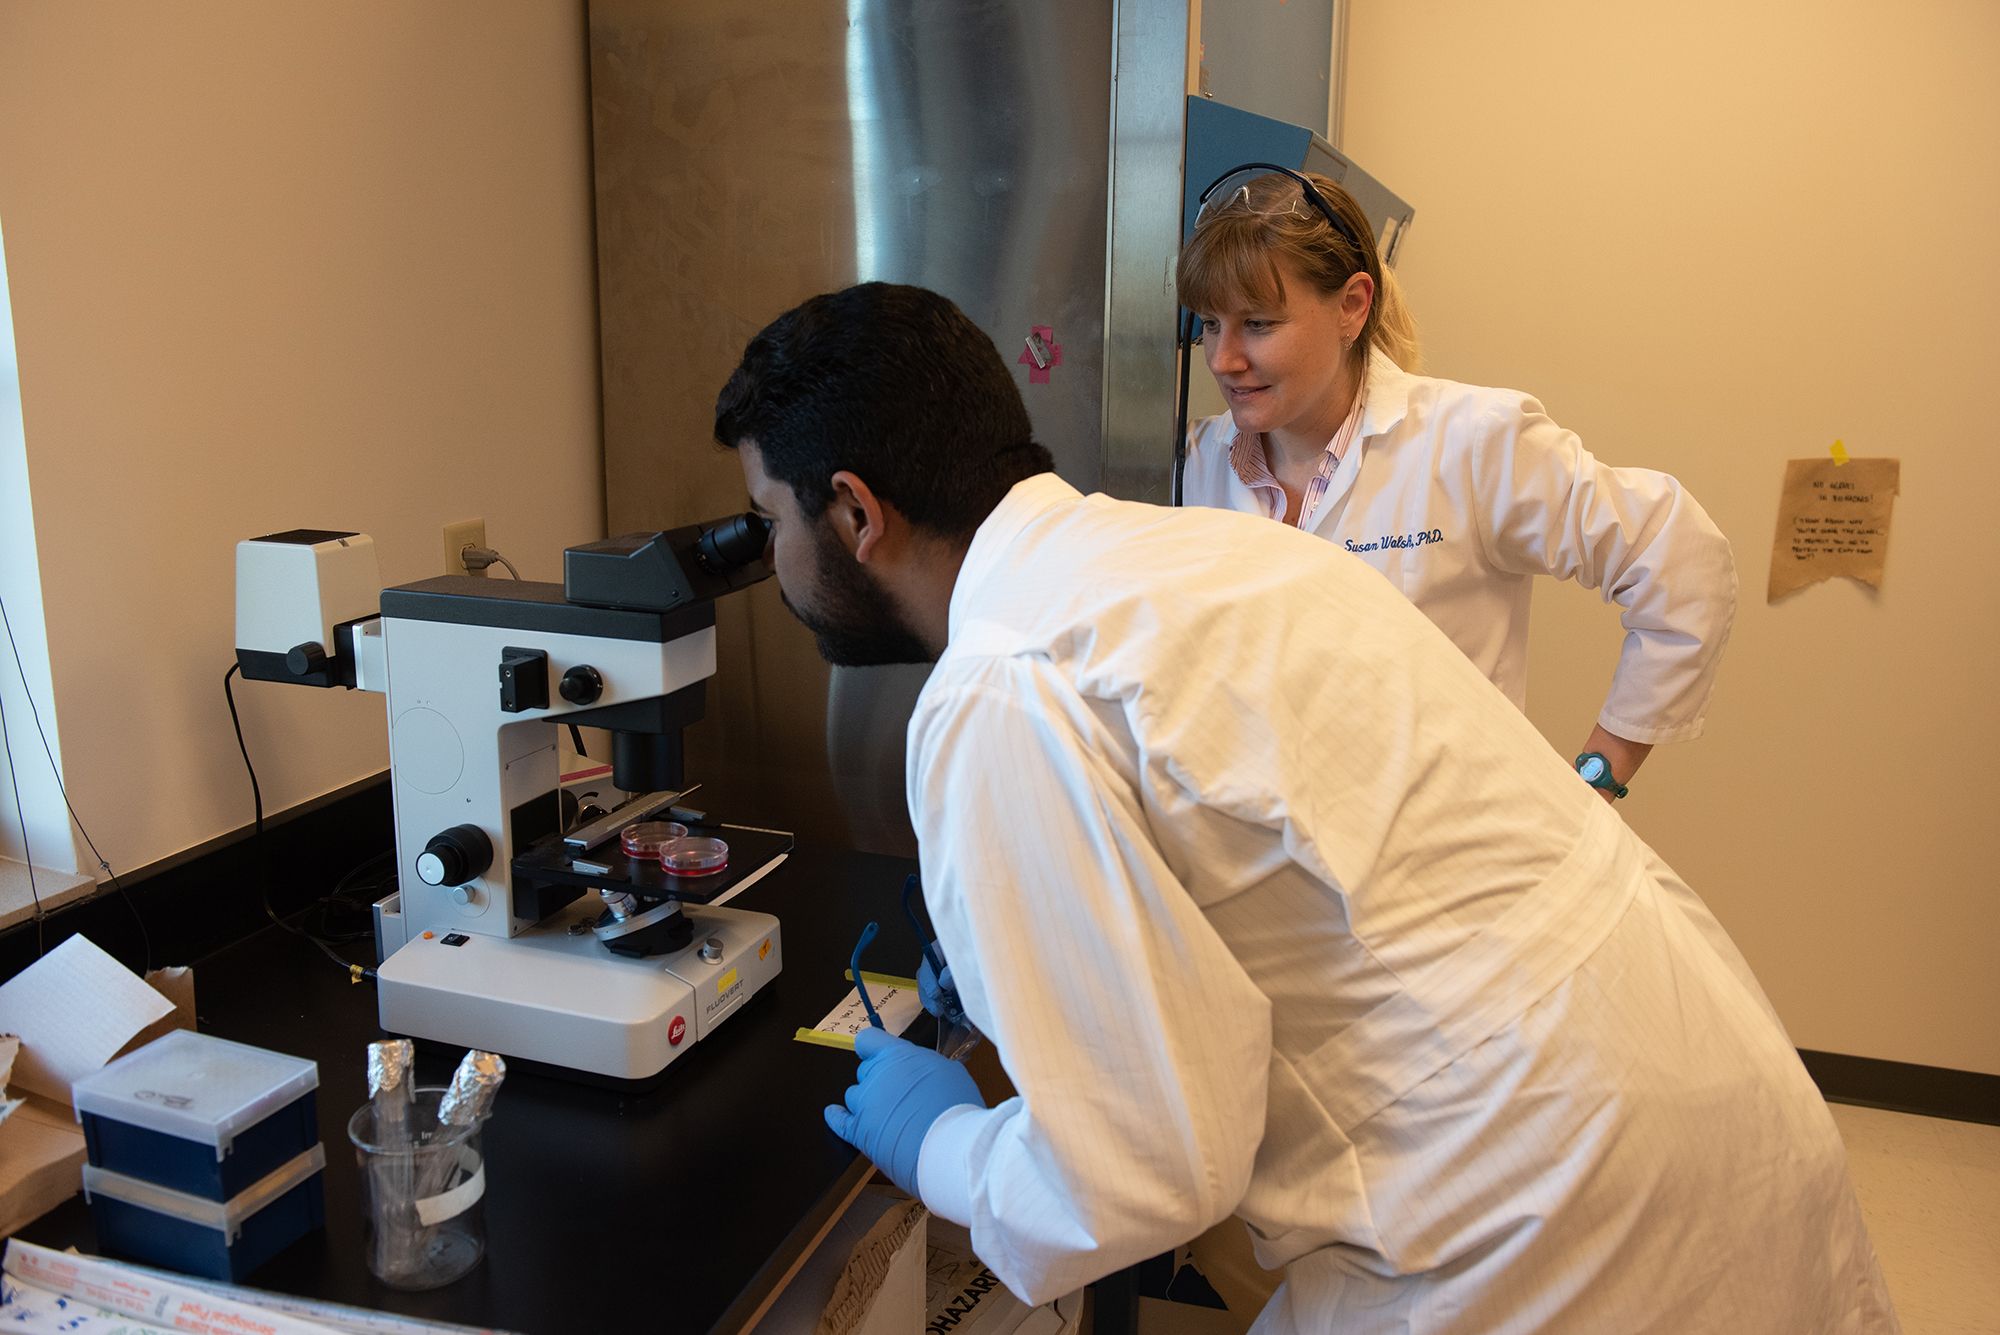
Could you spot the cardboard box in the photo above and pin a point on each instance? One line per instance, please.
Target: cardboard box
(63, 1018)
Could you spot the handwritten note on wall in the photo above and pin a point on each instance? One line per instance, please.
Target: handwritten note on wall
(1833, 519)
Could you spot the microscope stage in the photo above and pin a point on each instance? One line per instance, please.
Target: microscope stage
(554, 863)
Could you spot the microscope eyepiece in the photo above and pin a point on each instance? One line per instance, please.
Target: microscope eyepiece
(660, 572)
(730, 544)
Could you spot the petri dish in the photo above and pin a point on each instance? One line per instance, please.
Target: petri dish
(643, 840)
(693, 856)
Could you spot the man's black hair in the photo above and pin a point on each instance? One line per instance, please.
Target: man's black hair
(895, 384)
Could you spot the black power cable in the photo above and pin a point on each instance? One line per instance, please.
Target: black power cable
(355, 894)
(354, 972)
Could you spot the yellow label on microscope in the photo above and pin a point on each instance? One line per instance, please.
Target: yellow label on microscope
(724, 983)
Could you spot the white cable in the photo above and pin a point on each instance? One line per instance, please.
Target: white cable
(478, 558)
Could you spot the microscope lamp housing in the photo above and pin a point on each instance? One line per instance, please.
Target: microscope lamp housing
(300, 596)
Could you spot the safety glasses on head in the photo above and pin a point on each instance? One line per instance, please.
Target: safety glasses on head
(1266, 190)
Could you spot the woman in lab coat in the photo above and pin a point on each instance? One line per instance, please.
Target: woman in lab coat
(1460, 495)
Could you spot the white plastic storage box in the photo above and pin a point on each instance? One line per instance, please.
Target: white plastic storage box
(199, 1115)
(223, 1240)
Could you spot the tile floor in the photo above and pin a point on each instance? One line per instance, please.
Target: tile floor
(1931, 1192)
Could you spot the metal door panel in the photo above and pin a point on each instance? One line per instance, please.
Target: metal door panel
(748, 157)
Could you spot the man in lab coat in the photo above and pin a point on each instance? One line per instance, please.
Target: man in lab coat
(1272, 905)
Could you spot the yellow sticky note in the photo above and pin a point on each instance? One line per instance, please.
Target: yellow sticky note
(1839, 453)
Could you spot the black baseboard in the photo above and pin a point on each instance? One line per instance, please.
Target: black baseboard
(1930, 1091)
(198, 902)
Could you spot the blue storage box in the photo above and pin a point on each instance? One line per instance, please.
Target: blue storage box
(198, 1114)
(223, 1240)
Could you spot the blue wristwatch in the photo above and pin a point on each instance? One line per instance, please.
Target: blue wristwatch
(1596, 772)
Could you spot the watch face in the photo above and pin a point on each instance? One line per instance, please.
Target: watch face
(1592, 768)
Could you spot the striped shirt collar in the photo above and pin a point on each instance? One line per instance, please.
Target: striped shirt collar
(1382, 404)
(1253, 470)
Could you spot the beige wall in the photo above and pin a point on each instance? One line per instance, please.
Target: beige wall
(1711, 237)
(281, 265)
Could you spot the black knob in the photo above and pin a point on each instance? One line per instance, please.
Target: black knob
(455, 856)
(581, 684)
(305, 658)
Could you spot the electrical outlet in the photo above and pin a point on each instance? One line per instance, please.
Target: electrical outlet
(457, 537)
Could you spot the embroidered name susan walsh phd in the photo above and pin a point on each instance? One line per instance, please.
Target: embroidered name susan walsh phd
(1396, 541)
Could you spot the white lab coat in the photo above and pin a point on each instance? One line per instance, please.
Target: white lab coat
(1461, 495)
(1273, 906)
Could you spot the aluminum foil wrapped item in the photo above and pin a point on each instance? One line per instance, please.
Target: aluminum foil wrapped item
(469, 1098)
(389, 1068)
(391, 1085)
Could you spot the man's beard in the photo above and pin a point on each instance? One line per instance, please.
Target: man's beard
(852, 619)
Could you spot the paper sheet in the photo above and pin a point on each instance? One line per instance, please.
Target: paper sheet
(75, 1009)
(26, 1307)
(184, 1303)
(110, 1287)
(345, 1319)
(896, 1001)
(1833, 519)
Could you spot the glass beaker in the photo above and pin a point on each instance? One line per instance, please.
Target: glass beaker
(421, 1191)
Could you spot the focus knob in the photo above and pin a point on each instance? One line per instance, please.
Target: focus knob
(304, 659)
(455, 856)
(581, 684)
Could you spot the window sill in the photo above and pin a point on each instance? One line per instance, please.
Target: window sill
(55, 888)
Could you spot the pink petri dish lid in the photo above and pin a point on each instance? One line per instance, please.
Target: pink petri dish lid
(644, 839)
(693, 856)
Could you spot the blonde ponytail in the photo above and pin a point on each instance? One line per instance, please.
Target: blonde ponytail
(1395, 328)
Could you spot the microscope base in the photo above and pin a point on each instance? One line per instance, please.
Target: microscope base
(554, 995)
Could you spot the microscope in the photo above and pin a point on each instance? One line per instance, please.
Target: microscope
(521, 924)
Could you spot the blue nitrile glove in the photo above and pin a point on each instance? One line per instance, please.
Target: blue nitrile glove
(899, 1090)
(935, 989)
